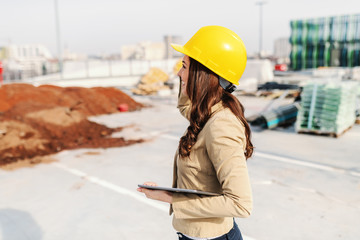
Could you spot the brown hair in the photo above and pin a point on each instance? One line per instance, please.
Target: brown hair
(204, 91)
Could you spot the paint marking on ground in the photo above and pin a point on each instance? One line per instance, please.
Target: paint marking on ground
(306, 164)
(113, 187)
(288, 160)
(137, 196)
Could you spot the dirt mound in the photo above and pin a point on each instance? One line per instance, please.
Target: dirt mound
(90, 101)
(37, 121)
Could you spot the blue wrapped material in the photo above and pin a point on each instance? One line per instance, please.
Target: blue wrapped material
(329, 42)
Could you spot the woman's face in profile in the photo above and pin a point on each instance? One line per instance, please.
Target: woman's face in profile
(184, 73)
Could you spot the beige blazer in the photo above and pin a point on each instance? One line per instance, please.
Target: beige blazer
(218, 165)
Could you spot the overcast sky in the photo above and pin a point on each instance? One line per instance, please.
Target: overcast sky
(103, 26)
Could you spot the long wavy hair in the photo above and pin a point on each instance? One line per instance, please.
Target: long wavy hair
(204, 91)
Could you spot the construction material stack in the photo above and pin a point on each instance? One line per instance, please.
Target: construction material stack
(327, 108)
(283, 116)
(152, 82)
(325, 42)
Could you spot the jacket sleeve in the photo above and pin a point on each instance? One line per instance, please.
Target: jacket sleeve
(224, 143)
(183, 104)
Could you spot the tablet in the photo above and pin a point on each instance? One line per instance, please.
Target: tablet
(179, 190)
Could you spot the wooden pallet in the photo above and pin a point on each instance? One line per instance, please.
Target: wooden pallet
(323, 133)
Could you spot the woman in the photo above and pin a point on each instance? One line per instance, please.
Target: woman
(212, 153)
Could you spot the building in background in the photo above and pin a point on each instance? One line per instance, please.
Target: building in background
(170, 52)
(68, 55)
(28, 52)
(31, 60)
(151, 50)
(129, 52)
(282, 49)
(143, 51)
(27, 60)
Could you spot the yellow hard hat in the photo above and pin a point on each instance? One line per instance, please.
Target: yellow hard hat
(219, 49)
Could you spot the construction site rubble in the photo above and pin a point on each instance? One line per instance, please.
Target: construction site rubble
(38, 121)
(152, 82)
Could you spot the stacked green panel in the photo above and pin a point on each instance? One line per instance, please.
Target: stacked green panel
(327, 108)
(325, 42)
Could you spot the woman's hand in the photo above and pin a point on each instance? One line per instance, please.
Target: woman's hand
(159, 195)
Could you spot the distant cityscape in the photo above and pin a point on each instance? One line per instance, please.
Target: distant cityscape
(22, 61)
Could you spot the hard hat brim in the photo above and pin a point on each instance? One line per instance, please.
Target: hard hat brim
(178, 48)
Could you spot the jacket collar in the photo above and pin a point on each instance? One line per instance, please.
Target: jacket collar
(217, 107)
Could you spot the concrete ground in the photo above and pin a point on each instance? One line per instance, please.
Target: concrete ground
(304, 186)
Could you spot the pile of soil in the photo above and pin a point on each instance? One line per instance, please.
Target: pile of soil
(38, 121)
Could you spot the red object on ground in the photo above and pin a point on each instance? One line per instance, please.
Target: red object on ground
(281, 67)
(123, 107)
